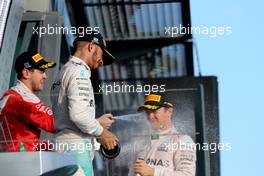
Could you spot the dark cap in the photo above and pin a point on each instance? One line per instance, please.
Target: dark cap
(98, 39)
(154, 102)
(32, 60)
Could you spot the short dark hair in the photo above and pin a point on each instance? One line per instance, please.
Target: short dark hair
(76, 45)
(19, 75)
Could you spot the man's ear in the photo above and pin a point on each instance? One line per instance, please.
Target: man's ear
(25, 73)
(89, 46)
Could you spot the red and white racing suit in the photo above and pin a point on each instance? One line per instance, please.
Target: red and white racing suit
(22, 116)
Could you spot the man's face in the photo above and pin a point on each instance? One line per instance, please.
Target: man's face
(37, 78)
(97, 57)
(159, 119)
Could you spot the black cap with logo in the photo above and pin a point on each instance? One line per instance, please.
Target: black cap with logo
(155, 101)
(98, 39)
(32, 60)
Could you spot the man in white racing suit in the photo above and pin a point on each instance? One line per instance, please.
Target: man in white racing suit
(169, 153)
(74, 106)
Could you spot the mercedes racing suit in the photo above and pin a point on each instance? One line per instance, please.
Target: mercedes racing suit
(171, 154)
(74, 108)
(22, 116)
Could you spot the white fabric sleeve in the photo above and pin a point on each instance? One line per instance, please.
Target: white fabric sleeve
(81, 104)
